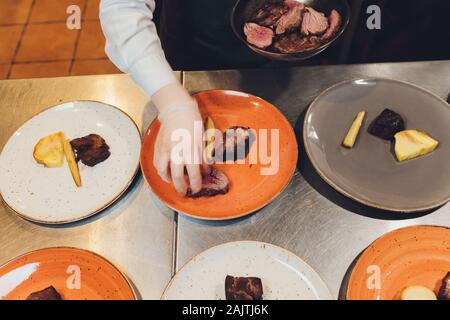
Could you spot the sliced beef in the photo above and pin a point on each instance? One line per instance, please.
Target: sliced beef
(314, 22)
(334, 21)
(49, 293)
(258, 36)
(243, 288)
(291, 19)
(235, 145)
(294, 3)
(91, 149)
(214, 182)
(270, 13)
(444, 291)
(294, 42)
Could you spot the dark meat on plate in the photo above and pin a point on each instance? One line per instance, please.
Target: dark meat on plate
(214, 182)
(386, 125)
(235, 145)
(243, 288)
(294, 42)
(334, 20)
(314, 22)
(444, 291)
(291, 19)
(258, 36)
(91, 149)
(49, 293)
(270, 13)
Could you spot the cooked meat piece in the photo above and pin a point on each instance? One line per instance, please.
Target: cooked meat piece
(258, 36)
(215, 182)
(270, 13)
(294, 3)
(314, 22)
(291, 19)
(334, 20)
(49, 293)
(444, 291)
(91, 149)
(242, 288)
(235, 145)
(294, 42)
(386, 125)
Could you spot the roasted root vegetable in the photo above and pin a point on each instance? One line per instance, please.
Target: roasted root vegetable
(73, 165)
(350, 138)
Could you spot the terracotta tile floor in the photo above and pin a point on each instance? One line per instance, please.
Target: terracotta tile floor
(35, 41)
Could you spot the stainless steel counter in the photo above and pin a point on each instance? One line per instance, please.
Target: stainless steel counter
(312, 220)
(149, 242)
(136, 233)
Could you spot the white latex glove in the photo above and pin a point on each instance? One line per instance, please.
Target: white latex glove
(178, 114)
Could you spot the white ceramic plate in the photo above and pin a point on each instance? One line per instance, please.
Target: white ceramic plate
(49, 195)
(284, 275)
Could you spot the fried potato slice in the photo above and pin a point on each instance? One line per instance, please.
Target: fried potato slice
(49, 151)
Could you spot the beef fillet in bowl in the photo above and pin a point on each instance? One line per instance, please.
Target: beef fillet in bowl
(289, 30)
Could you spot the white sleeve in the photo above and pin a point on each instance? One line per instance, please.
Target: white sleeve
(132, 42)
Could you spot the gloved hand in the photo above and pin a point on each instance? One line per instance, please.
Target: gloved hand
(180, 118)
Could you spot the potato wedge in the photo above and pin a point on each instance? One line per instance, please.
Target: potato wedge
(49, 151)
(210, 139)
(410, 144)
(73, 165)
(417, 293)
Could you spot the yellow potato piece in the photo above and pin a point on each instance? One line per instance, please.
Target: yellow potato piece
(410, 144)
(49, 151)
(350, 138)
(417, 293)
(73, 165)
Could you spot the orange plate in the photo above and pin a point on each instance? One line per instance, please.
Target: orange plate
(249, 190)
(99, 279)
(417, 255)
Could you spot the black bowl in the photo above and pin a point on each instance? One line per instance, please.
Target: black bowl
(244, 10)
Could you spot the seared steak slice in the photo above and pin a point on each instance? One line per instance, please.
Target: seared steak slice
(91, 149)
(294, 3)
(444, 291)
(235, 145)
(270, 13)
(215, 182)
(243, 288)
(294, 42)
(258, 36)
(334, 20)
(291, 19)
(49, 293)
(314, 22)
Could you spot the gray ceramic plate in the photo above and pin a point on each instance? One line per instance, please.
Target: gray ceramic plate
(369, 173)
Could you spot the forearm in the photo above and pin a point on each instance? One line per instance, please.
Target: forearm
(132, 43)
